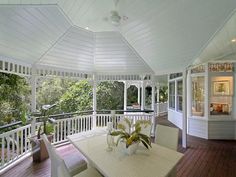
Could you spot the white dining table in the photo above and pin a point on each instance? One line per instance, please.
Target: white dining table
(157, 161)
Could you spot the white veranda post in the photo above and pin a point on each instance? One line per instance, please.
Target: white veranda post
(184, 128)
(138, 86)
(33, 83)
(153, 97)
(94, 102)
(125, 95)
(153, 108)
(158, 101)
(143, 96)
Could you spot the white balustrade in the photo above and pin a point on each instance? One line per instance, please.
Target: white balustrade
(15, 143)
(69, 126)
(161, 108)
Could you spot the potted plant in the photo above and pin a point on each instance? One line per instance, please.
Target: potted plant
(130, 138)
(38, 146)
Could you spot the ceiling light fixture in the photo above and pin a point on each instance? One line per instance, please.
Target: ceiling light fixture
(86, 28)
(233, 40)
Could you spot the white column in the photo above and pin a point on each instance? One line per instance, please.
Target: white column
(143, 96)
(153, 97)
(176, 91)
(189, 96)
(138, 93)
(207, 90)
(158, 100)
(94, 102)
(33, 82)
(184, 128)
(158, 89)
(154, 109)
(125, 95)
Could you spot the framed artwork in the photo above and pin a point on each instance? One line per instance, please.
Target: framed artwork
(221, 88)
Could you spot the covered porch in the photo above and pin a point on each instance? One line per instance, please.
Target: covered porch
(189, 46)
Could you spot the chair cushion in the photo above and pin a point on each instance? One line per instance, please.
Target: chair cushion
(75, 163)
(90, 172)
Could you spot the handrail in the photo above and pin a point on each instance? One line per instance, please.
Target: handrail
(10, 125)
(68, 115)
(133, 110)
(57, 116)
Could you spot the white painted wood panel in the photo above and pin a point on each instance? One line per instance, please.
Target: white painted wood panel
(114, 55)
(75, 50)
(221, 129)
(26, 32)
(221, 46)
(175, 117)
(198, 127)
(173, 33)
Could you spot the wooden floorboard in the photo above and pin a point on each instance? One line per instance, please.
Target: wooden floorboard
(202, 158)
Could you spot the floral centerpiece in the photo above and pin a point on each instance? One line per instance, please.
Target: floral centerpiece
(130, 133)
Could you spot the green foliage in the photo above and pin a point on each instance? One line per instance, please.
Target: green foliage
(163, 94)
(132, 95)
(77, 98)
(49, 128)
(24, 117)
(51, 92)
(134, 136)
(110, 95)
(14, 97)
(148, 97)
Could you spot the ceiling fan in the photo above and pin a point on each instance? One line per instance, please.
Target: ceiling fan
(115, 18)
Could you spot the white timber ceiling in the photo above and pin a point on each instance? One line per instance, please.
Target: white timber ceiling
(223, 45)
(160, 36)
(111, 49)
(26, 32)
(74, 50)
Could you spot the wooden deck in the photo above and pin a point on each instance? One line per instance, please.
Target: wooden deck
(202, 158)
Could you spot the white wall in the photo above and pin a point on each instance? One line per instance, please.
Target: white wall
(198, 127)
(221, 129)
(175, 118)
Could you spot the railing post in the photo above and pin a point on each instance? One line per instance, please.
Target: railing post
(143, 96)
(33, 124)
(113, 118)
(33, 83)
(125, 95)
(94, 120)
(153, 124)
(153, 98)
(158, 101)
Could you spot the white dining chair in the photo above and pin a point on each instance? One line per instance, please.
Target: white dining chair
(167, 136)
(146, 129)
(67, 167)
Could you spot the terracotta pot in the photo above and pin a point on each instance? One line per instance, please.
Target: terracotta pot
(40, 152)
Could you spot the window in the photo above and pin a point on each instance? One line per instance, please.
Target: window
(175, 75)
(179, 95)
(221, 95)
(198, 96)
(172, 95)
